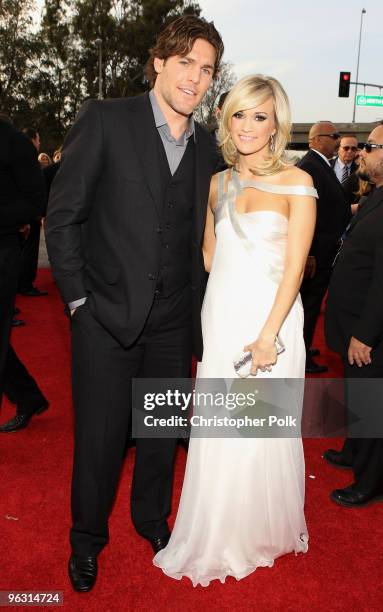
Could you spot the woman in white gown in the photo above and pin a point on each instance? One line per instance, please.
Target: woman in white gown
(242, 502)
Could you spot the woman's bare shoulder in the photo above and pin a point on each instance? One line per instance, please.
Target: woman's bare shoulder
(295, 176)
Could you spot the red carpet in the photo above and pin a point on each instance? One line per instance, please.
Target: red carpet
(342, 570)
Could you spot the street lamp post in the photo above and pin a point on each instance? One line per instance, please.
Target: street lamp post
(357, 65)
(98, 42)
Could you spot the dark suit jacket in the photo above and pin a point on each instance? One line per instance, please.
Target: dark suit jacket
(22, 191)
(333, 211)
(49, 173)
(350, 185)
(355, 298)
(104, 210)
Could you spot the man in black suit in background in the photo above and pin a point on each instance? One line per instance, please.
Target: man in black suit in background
(354, 328)
(124, 232)
(22, 198)
(30, 247)
(344, 163)
(333, 214)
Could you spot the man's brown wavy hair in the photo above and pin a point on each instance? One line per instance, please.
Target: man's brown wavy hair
(178, 38)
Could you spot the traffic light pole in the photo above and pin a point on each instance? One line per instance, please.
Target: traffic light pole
(366, 84)
(357, 65)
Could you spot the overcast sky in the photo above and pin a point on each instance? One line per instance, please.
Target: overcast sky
(305, 44)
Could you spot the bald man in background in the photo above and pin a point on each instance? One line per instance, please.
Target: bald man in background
(333, 215)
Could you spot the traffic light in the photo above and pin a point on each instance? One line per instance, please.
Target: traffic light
(344, 84)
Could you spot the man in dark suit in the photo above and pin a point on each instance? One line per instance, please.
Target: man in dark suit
(124, 233)
(354, 329)
(30, 247)
(344, 163)
(333, 214)
(22, 198)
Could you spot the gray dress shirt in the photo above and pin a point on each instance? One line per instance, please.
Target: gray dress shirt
(174, 149)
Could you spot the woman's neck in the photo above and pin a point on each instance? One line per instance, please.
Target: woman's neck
(246, 164)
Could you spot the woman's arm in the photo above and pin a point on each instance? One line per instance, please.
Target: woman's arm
(301, 229)
(208, 246)
(300, 235)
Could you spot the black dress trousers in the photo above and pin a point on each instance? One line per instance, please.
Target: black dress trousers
(30, 256)
(9, 274)
(102, 374)
(366, 453)
(313, 291)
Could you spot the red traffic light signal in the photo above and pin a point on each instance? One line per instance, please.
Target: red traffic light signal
(344, 84)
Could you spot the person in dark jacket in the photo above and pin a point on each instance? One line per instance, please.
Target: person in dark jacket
(31, 243)
(22, 198)
(333, 214)
(354, 329)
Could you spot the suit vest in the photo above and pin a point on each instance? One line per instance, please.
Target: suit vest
(175, 228)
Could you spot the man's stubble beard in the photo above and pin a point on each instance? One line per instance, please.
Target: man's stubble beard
(176, 108)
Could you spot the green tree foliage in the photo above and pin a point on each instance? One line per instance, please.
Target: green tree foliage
(18, 47)
(48, 68)
(205, 113)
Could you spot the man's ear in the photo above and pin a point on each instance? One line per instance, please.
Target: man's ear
(158, 64)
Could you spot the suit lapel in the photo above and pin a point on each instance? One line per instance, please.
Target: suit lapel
(146, 143)
(329, 169)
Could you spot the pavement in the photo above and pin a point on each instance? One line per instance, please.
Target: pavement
(43, 255)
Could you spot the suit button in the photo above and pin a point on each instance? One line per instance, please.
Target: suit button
(151, 276)
(171, 204)
(166, 246)
(159, 230)
(167, 226)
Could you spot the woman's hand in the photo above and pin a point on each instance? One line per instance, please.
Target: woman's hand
(264, 353)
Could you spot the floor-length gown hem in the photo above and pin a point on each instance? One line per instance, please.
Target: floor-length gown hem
(204, 580)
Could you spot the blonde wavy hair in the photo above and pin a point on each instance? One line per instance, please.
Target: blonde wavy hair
(250, 92)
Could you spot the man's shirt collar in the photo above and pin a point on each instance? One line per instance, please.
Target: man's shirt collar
(321, 155)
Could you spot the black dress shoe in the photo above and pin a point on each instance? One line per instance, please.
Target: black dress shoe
(33, 292)
(82, 572)
(313, 352)
(23, 416)
(334, 457)
(17, 323)
(159, 543)
(350, 498)
(314, 368)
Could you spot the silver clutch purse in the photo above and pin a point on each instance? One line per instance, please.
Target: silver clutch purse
(242, 362)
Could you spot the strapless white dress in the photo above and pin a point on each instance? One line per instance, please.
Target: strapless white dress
(242, 502)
